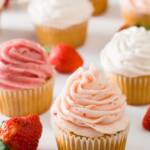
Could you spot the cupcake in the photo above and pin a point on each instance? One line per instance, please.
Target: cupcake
(26, 81)
(126, 61)
(136, 12)
(89, 114)
(99, 6)
(59, 21)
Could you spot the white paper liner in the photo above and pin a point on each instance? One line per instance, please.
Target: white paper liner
(25, 102)
(70, 141)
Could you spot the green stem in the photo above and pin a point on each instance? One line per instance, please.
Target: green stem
(3, 146)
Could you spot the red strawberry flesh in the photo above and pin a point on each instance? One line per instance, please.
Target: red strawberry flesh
(65, 58)
(146, 120)
(21, 133)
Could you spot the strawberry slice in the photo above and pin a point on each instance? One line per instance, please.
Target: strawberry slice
(146, 120)
(65, 58)
(21, 133)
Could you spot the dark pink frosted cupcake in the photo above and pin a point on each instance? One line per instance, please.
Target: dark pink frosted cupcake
(25, 78)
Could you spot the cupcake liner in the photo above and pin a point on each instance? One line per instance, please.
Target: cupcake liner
(25, 102)
(70, 141)
(99, 6)
(74, 35)
(137, 90)
(132, 18)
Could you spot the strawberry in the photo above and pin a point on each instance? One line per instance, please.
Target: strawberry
(4, 4)
(65, 58)
(21, 133)
(146, 120)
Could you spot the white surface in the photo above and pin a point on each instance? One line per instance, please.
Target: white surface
(101, 29)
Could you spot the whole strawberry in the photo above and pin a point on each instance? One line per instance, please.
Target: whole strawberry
(146, 120)
(21, 133)
(65, 58)
(4, 4)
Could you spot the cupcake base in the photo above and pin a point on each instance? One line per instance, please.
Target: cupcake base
(137, 90)
(70, 141)
(74, 35)
(25, 102)
(132, 18)
(99, 6)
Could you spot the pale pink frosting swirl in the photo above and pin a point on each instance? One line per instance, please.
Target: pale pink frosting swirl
(139, 6)
(23, 65)
(90, 107)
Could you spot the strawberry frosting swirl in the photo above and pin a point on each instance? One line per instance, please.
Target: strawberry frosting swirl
(89, 107)
(23, 65)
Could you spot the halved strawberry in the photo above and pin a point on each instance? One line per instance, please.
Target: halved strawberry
(21, 133)
(65, 58)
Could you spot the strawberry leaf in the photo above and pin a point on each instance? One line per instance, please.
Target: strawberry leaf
(147, 27)
(3, 146)
(48, 49)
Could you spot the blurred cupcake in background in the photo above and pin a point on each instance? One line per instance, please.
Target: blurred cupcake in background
(26, 78)
(126, 61)
(59, 21)
(136, 12)
(99, 6)
(90, 114)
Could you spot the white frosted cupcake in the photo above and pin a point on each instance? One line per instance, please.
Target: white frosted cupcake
(61, 20)
(89, 114)
(126, 59)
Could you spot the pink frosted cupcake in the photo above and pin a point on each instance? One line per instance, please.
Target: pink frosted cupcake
(89, 114)
(25, 78)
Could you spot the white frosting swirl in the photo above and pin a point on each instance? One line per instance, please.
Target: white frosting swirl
(60, 13)
(128, 53)
(89, 107)
(139, 6)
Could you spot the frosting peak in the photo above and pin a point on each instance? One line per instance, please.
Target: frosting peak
(89, 107)
(128, 53)
(60, 13)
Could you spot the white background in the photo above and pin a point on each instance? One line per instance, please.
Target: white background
(17, 24)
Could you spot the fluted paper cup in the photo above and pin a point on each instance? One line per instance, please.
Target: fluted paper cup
(70, 141)
(74, 35)
(99, 6)
(137, 89)
(132, 18)
(25, 102)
